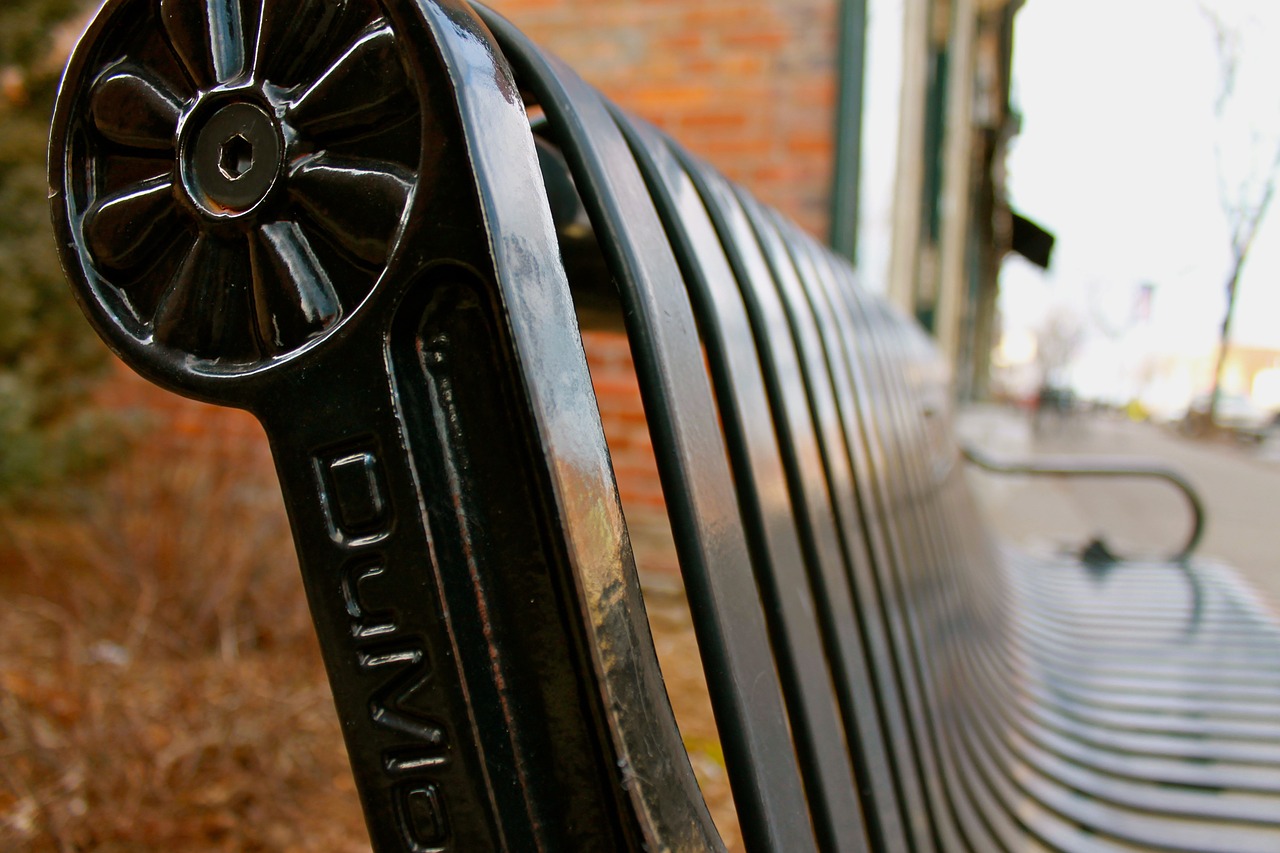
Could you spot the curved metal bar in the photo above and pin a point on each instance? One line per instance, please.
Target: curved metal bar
(679, 403)
(1060, 466)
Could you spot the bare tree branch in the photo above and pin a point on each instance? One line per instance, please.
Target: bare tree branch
(1246, 198)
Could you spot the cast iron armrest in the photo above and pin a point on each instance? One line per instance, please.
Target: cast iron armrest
(1081, 466)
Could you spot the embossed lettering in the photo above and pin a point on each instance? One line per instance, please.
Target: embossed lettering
(389, 704)
(353, 495)
(422, 818)
(366, 622)
(360, 518)
(360, 502)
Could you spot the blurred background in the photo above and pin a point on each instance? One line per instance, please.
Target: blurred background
(1073, 196)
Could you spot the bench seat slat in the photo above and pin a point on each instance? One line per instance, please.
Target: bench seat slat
(1245, 806)
(1128, 762)
(1241, 808)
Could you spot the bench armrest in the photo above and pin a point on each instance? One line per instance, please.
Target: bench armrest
(1081, 466)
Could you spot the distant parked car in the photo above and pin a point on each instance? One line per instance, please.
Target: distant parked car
(1235, 412)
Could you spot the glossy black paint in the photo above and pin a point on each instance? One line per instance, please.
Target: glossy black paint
(335, 214)
(760, 480)
(197, 177)
(745, 690)
(395, 314)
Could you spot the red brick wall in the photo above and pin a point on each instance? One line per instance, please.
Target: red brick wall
(747, 84)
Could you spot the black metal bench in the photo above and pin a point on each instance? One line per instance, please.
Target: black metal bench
(362, 253)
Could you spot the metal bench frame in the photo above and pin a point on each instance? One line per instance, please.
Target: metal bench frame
(883, 676)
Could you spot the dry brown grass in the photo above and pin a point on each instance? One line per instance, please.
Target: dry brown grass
(160, 684)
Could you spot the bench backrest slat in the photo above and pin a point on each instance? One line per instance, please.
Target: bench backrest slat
(922, 592)
(914, 527)
(913, 568)
(864, 679)
(837, 451)
(830, 367)
(729, 618)
(761, 484)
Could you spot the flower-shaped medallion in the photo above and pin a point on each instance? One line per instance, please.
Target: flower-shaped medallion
(245, 169)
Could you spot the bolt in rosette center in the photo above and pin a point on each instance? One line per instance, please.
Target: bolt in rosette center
(234, 173)
(231, 159)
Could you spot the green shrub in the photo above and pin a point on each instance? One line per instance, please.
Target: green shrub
(49, 359)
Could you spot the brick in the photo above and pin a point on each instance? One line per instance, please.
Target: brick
(613, 385)
(811, 146)
(672, 96)
(682, 42)
(717, 16)
(715, 121)
(762, 40)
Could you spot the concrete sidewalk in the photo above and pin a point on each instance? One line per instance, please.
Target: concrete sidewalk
(1239, 485)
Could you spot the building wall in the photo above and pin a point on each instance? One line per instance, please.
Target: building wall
(749, 85)
(948, 197)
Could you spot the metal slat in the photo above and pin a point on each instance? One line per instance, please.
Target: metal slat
(1240, 807)
(812, 328)
(869, 690)
(745, 689)
(926, 601)
(763, 495)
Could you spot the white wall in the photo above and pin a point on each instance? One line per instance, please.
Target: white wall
(880, 133)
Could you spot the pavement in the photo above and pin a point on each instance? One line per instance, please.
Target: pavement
(1239, 485)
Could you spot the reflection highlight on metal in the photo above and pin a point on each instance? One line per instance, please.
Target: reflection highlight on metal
(230, 149)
